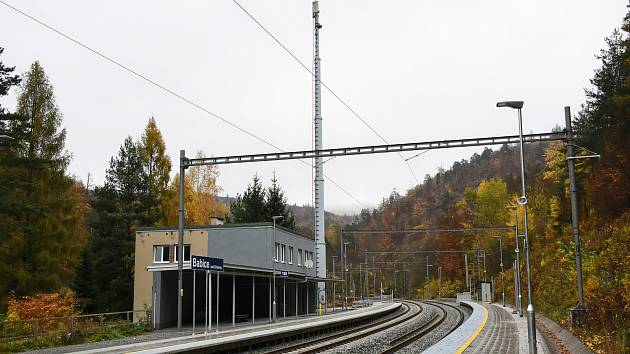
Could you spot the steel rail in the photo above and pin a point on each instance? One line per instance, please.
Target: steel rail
(461, 315)
(374, 149)
(318, 345)
(410, 337)
(338, 334)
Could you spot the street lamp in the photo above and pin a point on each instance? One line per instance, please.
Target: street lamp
(440, 282)
(501, 264)
(334, 283)
(345, 271)
(517, 275)
(531, 315)
(276, 250)
(426, 280)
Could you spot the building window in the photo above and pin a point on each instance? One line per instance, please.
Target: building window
(299, 257)
(282, 256)
(290, 254)
(161, 254)
(277, 254)
(186, 253)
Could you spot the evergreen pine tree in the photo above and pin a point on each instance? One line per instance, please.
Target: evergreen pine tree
(118, 211)
(276, 204)
(250, 207)
(42, 208)
(603, 125)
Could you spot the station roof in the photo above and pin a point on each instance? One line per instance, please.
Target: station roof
(223, 226)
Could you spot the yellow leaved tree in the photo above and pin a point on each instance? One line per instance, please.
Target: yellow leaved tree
(200, 197)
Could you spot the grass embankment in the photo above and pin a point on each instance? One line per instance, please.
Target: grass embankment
(62, 338)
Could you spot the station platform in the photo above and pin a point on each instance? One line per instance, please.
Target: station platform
(227, 334)
(490, 328)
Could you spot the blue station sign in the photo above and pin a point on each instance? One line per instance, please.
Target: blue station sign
(284, 273)
(206, 263)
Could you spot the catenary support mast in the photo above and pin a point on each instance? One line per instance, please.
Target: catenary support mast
(320, 243)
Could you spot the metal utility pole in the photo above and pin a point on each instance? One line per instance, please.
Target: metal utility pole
(439, 282)
(517, 274)
(374, 275)
(501, 265)
(180, 239)
(531, 328)
(342, 267)
(478, 263)
(320, 228)
(345, 274)
(404, 286)
(334, 284)
(578, 313)
(466, 270)
(426, 281)
(273, 261)
(484, 266)
(516, 293)
(367, 279)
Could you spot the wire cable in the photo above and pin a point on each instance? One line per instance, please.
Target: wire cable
(341, 100)
(165, 89)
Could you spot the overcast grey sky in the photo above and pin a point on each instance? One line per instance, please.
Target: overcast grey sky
(415, 70)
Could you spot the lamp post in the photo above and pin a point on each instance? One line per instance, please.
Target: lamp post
(334, 284)
(517, 265)
(439, 282)
(501, 264)
(395, 281)
(531, 314)
(427, 277)
(345, 271)
(274, 260)
(484, 266)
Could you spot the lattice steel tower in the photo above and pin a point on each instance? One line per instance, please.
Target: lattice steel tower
(318, 183)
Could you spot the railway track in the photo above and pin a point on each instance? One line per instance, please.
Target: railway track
(408, 338)
(410, 312)
(316, 345)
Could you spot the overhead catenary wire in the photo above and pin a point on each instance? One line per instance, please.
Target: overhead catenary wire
(165, 89)
(341, 100)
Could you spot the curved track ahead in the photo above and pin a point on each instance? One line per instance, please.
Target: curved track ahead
(433, 324)
(411, 311)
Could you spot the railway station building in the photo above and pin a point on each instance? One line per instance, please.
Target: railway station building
(243, 289)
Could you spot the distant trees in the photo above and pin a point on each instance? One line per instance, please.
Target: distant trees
(487, 203)
(134, 189)
(258, 204)
(42, 210)
(475, 193)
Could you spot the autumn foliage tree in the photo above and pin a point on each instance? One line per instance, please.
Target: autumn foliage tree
(131, 197)
(43, 208)
(200, 195)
